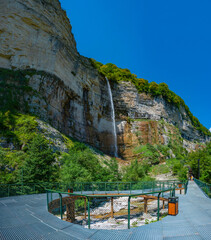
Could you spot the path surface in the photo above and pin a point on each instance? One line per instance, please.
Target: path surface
(26, 217)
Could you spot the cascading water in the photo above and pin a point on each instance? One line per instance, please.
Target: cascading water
(113, 119)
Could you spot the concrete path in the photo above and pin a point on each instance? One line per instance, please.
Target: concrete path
(26, 217)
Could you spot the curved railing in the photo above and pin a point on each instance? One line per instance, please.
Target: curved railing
(7, 190)
(98, 192)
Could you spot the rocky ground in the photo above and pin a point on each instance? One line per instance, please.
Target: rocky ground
(165, 177)
(101, 216)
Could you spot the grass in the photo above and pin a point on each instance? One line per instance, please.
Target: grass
(160, 169)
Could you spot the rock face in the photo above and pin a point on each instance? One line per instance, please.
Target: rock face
(70, 93)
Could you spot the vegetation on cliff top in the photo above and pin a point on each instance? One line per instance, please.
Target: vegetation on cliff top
(115, 74)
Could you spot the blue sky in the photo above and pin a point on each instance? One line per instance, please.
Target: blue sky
(162, 41)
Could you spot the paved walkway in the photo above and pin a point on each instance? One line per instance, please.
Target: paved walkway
(26, 217)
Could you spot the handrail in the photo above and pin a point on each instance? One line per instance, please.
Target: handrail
(31, 183)
(14, 189)
(106, 195)
(129, 195)
(205, 187)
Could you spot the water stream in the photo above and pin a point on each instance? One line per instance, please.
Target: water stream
(113, 119)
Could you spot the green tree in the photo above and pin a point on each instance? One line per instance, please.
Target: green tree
(204, 154)
(38, 165)
(73, 171)
(81, 165)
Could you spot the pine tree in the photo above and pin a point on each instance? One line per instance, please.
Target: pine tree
(38, 165)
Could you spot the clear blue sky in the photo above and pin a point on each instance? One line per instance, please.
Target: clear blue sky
(159, 40)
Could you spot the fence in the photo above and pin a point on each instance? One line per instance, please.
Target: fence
(206, 188)
(7, 190)
(113, 206)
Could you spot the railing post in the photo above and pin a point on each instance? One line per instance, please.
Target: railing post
(112, 207)
(173, 192)
(158, 213)
(128, 212)
(88, 213)
(60, 195)
(163, 189)
(47, 200)
(22, 179)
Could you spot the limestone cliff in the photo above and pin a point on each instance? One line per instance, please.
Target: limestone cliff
(66, 90)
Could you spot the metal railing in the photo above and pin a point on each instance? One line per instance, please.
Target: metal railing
(7, 190)
(205, 187)
(100, 202)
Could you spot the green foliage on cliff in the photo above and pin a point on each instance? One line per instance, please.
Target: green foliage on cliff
(115, 74)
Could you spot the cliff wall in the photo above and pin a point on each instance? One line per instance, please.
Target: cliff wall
(68, 92)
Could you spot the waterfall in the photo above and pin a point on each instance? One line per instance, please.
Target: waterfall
(113, 119)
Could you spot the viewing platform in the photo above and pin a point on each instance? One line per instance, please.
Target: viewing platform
(26, 217)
